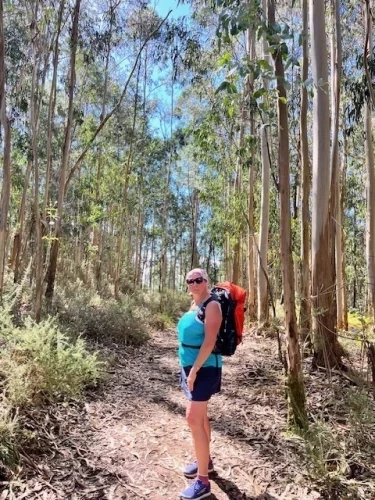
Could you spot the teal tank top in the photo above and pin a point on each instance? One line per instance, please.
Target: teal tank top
(190, 331)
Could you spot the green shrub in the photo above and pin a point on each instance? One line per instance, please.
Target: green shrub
(83, 311)
(175, 304)
(160, 321)
(9, 436)
(171, 305)
(38, 361)
(325, 452)
(124, 321)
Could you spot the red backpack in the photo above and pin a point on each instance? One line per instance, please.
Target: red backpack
(232, 299)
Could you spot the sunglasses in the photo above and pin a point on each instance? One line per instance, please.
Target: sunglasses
(198, 281)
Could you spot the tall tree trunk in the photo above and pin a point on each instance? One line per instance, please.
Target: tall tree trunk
(194, 228)
(327, 351)
(97, 235)
(344, 318)
(370, 184)
(263, 302)
(141, 215)
(124, 211)
(250, 238)
(54, 252)
(163, 258)
(227, 255)
(5, 192)
(38, 256)
(139, 242)
(296, 391)
(336, 61)
(334, 167)
(237, 244)
(152, 251)
(17, 241)
(236, 270)
(305, 306)
(51, 107)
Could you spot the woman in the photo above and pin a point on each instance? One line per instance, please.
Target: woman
(200, 375)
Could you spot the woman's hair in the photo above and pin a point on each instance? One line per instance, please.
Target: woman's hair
(199, 271)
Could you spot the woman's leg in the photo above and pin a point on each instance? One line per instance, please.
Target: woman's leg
(197, 419)
(207, 428)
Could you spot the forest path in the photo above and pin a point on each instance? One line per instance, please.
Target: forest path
(129, 440)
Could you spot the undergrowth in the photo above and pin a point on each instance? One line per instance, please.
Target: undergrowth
(127, 321)
(338, 444)
(51, 361)
(38, 364)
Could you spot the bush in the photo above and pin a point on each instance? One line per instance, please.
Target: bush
(164, 311)
(125, 321)
(9, 436)
(83, 311)
(39, 362)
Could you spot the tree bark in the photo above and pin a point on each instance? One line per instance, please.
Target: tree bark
(327, 350)
(5, 192)
(296, 391)
(194, 261)
(370, 181)
(51, 107)
(336, 60)
(305, 306)
(250, 237)
(263, 292)
(344, 319)
(34, 119)
(54, 252)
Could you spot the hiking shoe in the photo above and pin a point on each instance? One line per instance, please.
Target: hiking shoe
(196, 491)
(191, 470)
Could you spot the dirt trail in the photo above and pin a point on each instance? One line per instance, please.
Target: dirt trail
(130, 440)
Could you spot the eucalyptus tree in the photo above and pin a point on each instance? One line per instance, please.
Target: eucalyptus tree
(296, 391)
(327, 350)
(370, 164)
(66, 151)
(5, 124)
(305, 306)
(66, 175)
(263, 287)
(336, 69)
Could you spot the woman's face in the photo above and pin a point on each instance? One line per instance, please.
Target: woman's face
(195, 282)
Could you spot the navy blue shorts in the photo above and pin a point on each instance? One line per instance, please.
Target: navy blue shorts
(207, 383)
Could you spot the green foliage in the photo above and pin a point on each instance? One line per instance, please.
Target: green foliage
(357, 321)
(38, 362)
(82, 310)
(325, 453)
(235, 17)
(333, 451)
(10, 434)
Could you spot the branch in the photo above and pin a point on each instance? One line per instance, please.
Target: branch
(81, 157)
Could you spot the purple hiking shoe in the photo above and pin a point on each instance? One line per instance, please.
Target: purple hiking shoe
(196, 491)
(191, 470)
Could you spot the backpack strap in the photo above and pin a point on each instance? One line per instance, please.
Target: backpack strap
(201, 314)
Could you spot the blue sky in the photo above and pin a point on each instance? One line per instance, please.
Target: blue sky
(164, 6)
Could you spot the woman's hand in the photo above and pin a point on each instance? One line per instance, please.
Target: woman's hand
(191, 379)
